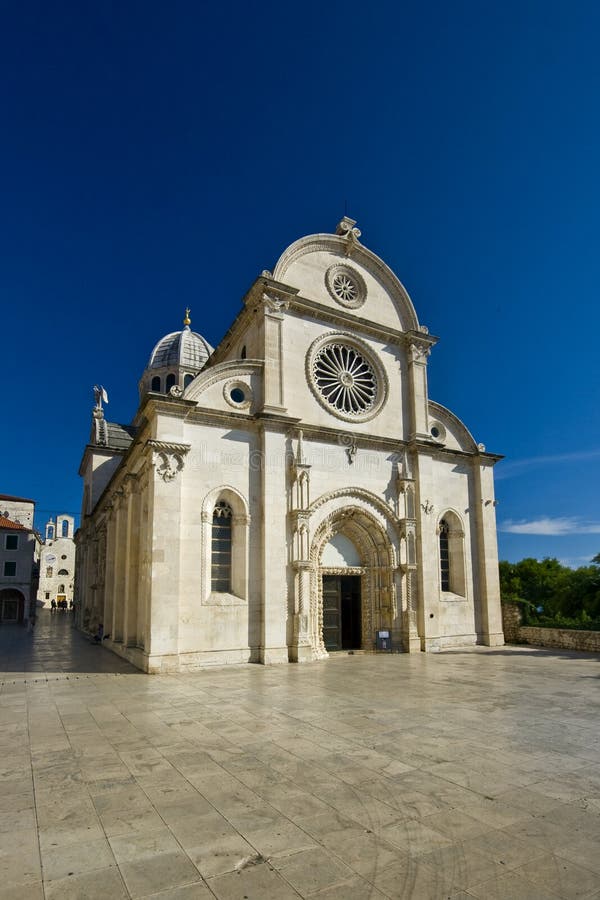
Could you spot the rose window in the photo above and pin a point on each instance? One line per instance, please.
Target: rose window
(345, 379)
(344, 287)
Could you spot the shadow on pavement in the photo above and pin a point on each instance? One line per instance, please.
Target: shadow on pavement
(55, 647)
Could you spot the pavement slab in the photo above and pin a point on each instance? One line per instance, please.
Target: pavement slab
(453, 776)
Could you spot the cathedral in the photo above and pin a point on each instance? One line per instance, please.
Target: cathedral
(293, 492)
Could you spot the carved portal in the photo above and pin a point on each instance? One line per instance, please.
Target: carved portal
(379, 602)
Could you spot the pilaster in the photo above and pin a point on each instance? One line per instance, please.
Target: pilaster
(167, 459)
(418, 345)
(274, 547)
(489, 577)
(273, 304)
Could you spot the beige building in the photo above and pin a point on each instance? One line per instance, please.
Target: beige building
(19, 559)
(57, 562)
(295, 491)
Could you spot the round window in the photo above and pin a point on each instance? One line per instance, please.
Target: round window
(437, 432)
(237, 394)
(345, 377)
(346, 286)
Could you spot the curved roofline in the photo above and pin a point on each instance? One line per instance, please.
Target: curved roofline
(444, 411)
(339, 245)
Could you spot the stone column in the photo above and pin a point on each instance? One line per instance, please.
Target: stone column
(487, 546)
(132, 570)
(272, 306)
(109, 572)
(145, 556)
(427, 580)
(301, 649)
(418, 348)
(274, 548)
(408, 562)
(121, 503)
(168, 461)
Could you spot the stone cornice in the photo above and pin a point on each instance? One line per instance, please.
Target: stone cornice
(340, 317)
(168, 446)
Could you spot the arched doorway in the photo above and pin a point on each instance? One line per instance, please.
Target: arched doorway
(12, 605)
(352, 591)
(341, 571)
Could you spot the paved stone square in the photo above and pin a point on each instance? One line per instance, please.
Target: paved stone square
(466, 774)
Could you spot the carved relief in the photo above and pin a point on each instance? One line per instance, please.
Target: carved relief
(168, 458)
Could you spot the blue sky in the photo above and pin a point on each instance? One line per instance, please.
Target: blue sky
(158, 156)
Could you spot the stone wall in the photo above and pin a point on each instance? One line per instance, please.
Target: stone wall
(561, 638)
(511, 622)
(564, 638)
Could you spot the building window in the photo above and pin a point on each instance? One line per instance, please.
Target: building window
(444, 556)
(65, 528)
(171, 381)
(187, 379)
(47, 595)
(243, 353)
(10, 569)
(63, 572)
(156, 383)
(49, 571)
(452, 555)
(61, 589)
(221, 548)
(50, 532)
(12, 541)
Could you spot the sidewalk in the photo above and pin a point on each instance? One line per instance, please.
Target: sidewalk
(471, 774)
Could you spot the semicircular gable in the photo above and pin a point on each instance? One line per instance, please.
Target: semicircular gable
(455, 434)
(231, 369)
(332, 249)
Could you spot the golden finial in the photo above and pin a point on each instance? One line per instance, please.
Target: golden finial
(187, 320)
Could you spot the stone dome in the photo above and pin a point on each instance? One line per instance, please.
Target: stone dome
(175, 361)
(184, 348)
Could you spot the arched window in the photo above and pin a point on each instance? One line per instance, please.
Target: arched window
(49, 571)
(65, 528)
(444, 556)
(63, 572)
(243, 353)
(452, 556)
(171, 381)
(221, 548)
(49, 532)
(156, 383)
(187, 380)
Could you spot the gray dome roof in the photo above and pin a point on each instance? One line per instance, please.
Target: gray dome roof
(180, 348)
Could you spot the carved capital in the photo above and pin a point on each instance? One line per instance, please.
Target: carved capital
(418, 351)
(168, 458)
(274, 302)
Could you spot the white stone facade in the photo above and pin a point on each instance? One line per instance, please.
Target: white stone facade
(57, 562)
(19, 559)
(300, 494)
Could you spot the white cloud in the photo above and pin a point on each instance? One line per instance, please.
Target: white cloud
(513, 467)
(561, 525)
(575, 562)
